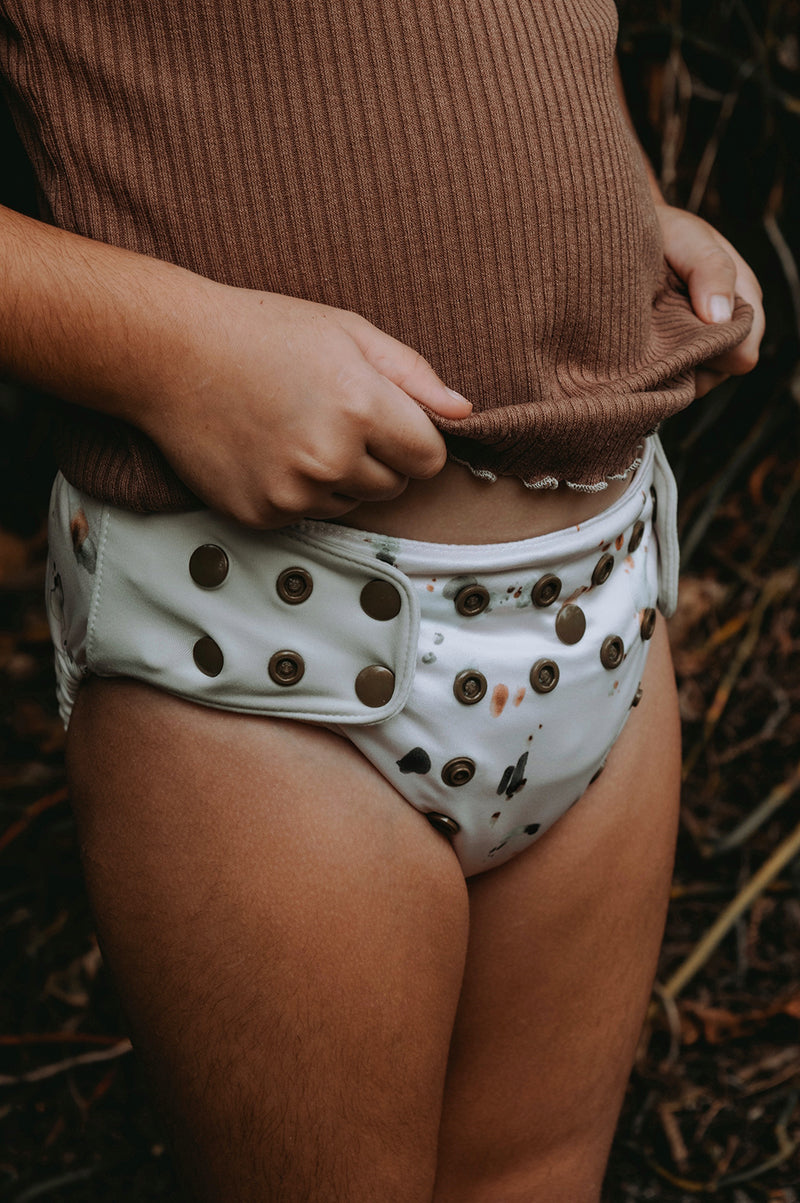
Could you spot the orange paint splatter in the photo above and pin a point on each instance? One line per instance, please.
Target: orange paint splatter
(620, 539)
(499, 699)
(429, 588)
(520, 694)
(78, 529)
(616, 684)
(629, 561)
(518, 593)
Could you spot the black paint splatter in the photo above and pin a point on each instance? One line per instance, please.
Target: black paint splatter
(415, 761)
(513, 778)
(532, 828)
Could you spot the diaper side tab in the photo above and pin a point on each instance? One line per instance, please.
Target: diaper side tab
(74, 566)
(666, 526)
(258, 622)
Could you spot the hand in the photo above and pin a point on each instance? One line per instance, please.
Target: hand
(714, 272)
(284, 409)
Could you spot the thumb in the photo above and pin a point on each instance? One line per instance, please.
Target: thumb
(701, 258)
(407, 369)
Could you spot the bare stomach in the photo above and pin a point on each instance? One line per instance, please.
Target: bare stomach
(458, 507)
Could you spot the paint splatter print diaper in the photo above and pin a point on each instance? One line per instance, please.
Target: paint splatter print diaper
(486, 682)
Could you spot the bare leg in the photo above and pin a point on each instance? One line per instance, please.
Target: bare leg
(288, 936)
(562, 952)
(290, 939)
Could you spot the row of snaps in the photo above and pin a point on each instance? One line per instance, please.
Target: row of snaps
(209, 568)
(473, 599)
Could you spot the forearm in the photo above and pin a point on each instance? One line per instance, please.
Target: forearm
(89, 322)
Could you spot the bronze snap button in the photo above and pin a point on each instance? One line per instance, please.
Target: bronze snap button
(286, 667)
(637, 697)
(544, 676)
(648, 623)
(208, 566)
(603, 569)
(469, 686)
(654, 499)
(570, 623)
(471, 600)
(443, 823)
(294, 586)
(374, 685)
(380, 600)
(208, 656)
(636, 535)
(458, 771)
(612, 652)
(546, 591)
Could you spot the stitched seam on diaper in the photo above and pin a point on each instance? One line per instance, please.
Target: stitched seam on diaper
(94, 604)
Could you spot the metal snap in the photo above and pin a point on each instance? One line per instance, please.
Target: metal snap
(443, 823)
(380, 600)
(374, 685)
(458, 771)
(208, 566)
(637, 697)
(208, 656)
(570, 623)
(648, 623)
(546, 591)
(471, 600)
(294, 586)
(636, 535)
(612, 651)
(603, 569)
(286, 667)
(544, 676)
(469, 686)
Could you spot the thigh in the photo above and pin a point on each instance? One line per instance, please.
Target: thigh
(288, 936)
(562, 952)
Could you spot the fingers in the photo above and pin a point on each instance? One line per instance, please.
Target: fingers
(715, 274)
(704, 260)
(405, 368)
(706, 379)
(403, 437)
(372, 480)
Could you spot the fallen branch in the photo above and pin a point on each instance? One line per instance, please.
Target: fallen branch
(30, 813)
(60, 1067)
(783, 854)
(773, 801)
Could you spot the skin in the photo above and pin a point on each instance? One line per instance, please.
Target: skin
(325, 1008)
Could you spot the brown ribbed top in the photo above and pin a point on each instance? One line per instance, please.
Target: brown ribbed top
(458, 172)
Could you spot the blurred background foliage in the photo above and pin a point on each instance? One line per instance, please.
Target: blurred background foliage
(712, 1108)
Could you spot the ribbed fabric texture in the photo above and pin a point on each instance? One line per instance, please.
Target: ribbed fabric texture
(458, 171)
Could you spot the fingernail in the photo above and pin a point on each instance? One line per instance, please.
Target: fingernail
(458, 397)
(720, 308)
